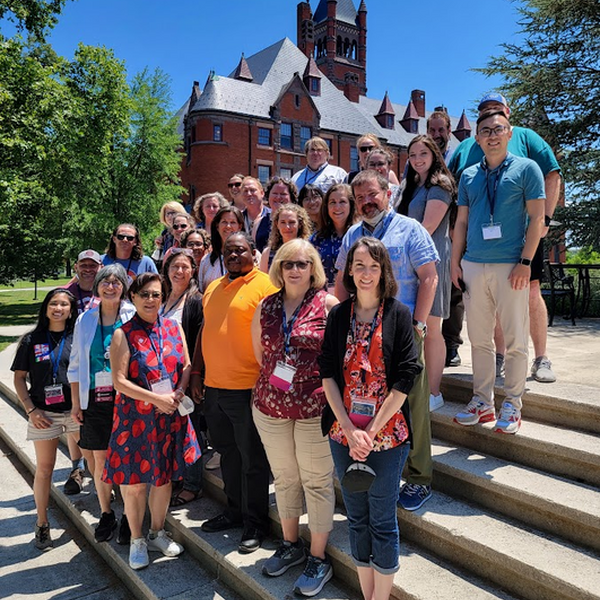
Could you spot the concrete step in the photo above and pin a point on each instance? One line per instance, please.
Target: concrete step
(567, 405)
(571, 454)
(422, 576)
(522, 560)
(553, 504)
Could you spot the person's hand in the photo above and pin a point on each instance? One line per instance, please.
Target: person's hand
(519, 277)
(39, 420)
(359, 444)
(456, 273)
(158, 242)
(167, 403)
(197, 388)
(544, 232)
(77, 415)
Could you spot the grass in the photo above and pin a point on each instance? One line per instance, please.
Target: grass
(6, 340)
(29, 284)
(19, 307)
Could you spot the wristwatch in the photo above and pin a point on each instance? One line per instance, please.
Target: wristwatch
(420, 326)
(547, 221)
(525, 261)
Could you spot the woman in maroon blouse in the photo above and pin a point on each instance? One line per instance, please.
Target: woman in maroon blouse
(287, 333)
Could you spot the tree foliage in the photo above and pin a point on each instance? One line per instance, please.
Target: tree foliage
(33, 16)
(552, 80)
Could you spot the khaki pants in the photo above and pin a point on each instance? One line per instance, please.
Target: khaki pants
(489, 293)
(302, 466)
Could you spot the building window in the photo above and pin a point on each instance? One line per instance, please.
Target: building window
(305, 135)
(389, 121)
(264, 173)
(285, 173)
(217, 133)
(287, 138)
(329, 145)
(315, 86)
(264, 136)
(353, 159)
(297, 101)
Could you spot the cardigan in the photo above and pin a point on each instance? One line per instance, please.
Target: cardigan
(400, 354)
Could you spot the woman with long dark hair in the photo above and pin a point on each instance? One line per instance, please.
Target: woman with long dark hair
(125, 248)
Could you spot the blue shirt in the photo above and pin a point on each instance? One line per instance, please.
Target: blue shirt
(133, 267)
(328, 249)
(509, 187)
(409, 245)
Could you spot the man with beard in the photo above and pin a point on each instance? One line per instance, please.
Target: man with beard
(413, 257)
(438, 128)
(87, 266)
(224, 351)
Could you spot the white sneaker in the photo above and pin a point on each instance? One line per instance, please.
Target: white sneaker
(163, 543)
(138, 554)
(435, 402)
(214, 462)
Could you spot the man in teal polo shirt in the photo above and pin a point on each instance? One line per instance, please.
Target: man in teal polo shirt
(500, 221)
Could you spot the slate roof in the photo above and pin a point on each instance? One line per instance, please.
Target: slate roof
(346, 12)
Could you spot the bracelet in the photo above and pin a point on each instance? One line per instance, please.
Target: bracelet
(30, 411)
(196, 373)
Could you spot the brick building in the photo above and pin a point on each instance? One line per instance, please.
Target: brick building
(256, 120)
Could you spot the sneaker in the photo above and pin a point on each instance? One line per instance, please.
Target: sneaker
(74, 484)
(509, 419)
(435, 402)
(124, 535)
(162, 542)
(214, 462)
(413, 496)
(287, 555)
(541, 370)
(475, 412)
(106, 527)
(42, 536)
(138, 554)
(317, 573)
(499, 365)
(452, 358)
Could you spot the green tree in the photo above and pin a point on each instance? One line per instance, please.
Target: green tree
(33, 16)
(552, 80)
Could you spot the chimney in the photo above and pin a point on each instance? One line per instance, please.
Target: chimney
(351, 87)
(417, 97)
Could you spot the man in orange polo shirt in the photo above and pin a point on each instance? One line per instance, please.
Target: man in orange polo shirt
(231, 371)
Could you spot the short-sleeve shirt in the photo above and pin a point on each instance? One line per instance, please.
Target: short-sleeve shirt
(409, 245)
(328, 249)
(322, 178)
(85, 298)
(133, 267)
(518, 181)
(33, 356)
(524, 142)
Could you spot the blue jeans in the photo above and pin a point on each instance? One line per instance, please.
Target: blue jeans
(374, 534)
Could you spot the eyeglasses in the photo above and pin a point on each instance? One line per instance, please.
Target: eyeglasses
(236, 184)
(312, 198)
(301, 265)
(111, 283)
(374, 165)
(487, 131)
(122, 236)
(195, 245)
(153, 295)
(182, 226)
(364, 149)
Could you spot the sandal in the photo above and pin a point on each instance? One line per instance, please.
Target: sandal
(179, 498)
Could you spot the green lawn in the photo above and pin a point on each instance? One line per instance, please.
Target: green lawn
(6, 340)
(29, 284)
(19, 307)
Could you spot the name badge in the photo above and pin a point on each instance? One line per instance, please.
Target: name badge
(493, 231)
(54, 394)
(161, 386)
(282, 376)
(186, 406)
(104, 391)
(362, 410)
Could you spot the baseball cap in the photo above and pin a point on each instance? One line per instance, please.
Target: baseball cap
(493, 97)
(91, 255)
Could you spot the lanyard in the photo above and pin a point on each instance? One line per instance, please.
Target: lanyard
(173, 307)
(287, 327)
(353, 339)
(159, 351)
(496, 174)
(55, 360)
(384, 225)
(105, 349)
(315, 174)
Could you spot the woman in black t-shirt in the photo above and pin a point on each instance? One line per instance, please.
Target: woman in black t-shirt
(43, 356)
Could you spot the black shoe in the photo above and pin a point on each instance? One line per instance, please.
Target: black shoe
(219, 523)
(106, 527)
(251, 540)
(452, 358)
(74, 484)
(124, 535)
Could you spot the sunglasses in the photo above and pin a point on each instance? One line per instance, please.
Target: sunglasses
(301, 265)
(153, 295)
(232, 185)
(366, 148)
(122, 236)
(184, 251)
(182, 226)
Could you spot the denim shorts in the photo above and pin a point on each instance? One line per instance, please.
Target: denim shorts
(374, 533)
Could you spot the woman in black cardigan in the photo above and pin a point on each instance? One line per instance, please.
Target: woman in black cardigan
(368, 364)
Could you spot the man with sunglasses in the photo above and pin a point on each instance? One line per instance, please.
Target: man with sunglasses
(499, 223)
(125, 248)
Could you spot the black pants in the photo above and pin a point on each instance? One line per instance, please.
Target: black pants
(244, 463)
(452, 326)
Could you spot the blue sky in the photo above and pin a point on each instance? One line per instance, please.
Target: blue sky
(427, 44)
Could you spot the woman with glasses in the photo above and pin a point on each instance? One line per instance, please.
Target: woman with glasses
(40, 380)
(380, 160)
(338, 213)
(287, 332)
(92, 388)
(198, 241)
(429, 193)
(151, 442)
(165, 240)
(311, 199)
(181, 223)
(125, 249)
(365, 144)
(235, 191)
(227, 221)
(289, 222)
(206, 207)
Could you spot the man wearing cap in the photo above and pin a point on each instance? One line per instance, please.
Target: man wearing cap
(87, 266)
(526, 143)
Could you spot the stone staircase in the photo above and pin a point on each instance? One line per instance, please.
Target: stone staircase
(511, 516)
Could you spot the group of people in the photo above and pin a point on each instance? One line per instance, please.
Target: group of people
(302, 330)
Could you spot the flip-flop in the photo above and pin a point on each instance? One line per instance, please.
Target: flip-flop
(177, 500)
